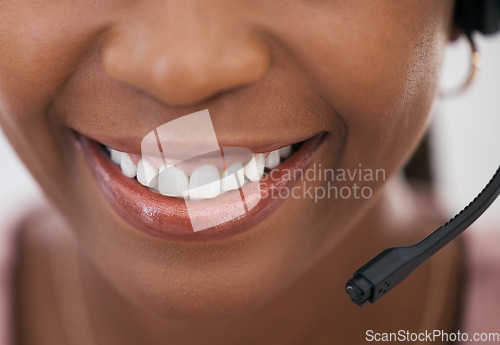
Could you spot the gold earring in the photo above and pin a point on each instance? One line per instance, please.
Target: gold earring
(475, 65)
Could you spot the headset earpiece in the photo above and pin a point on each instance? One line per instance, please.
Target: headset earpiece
(478, 15)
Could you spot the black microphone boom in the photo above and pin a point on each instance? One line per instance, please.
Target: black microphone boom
(393, 265)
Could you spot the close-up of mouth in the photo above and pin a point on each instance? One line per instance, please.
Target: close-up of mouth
(249, 172)
(199, 200)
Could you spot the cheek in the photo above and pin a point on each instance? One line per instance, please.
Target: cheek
(40, 47)
(377, 65)
(386, 104)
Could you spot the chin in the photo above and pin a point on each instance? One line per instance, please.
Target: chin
(203, 292)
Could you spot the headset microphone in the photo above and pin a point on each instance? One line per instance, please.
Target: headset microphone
(393, 265)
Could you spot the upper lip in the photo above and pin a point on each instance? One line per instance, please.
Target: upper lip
(132, 143)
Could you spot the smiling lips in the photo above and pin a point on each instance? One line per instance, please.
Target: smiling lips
(175, 201)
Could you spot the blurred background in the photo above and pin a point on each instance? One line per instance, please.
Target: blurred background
(465, 133)
(464, 139)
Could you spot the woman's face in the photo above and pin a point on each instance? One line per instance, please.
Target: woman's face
(271, 73)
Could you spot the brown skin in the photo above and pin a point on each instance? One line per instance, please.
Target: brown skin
(364, 71)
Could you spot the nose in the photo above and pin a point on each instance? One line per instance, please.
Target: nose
(184, 54)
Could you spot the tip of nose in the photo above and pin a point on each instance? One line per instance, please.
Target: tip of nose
(178, 74)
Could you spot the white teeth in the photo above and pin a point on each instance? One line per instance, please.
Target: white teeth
(233, 177)
(255, 168)
(204, 182)
(116, 156)
(273, 159)
(172, 181)
(285, 152)
(147, 174)
(128, 167)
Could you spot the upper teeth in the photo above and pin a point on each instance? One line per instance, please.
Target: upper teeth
(273, 159)
(255, 168)
(233, 177)
(172, 181)
(128, 167)
(203, 182)
(147, 174)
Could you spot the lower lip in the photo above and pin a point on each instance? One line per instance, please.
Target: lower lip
(168, 218)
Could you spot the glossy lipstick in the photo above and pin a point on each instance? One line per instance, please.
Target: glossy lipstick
(172, 219)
